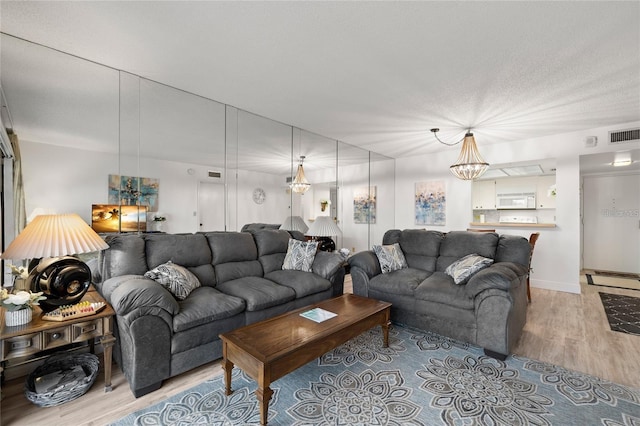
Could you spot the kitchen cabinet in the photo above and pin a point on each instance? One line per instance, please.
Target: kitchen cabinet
(483, 195)
(543, 199)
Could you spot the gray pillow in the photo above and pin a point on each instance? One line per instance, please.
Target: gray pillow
(300, 255)
(390, 257)
(462, 269)
(177, 279)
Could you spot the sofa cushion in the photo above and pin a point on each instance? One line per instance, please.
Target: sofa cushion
(390, 257)
(303, 283)
(439, 287)
(231, 247)
(458, 244)
(125, 256)
(403, 281)
(272, 247)
(233, 270)
(187, 250)
(462, 269)
(175, 278)
(300, 255)
(257, 292)
(206, 304)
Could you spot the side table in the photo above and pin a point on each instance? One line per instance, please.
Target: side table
(40, 335)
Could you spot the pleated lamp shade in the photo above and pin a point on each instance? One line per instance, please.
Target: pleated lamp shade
(294, 223)
(53, 236)
(323, 226)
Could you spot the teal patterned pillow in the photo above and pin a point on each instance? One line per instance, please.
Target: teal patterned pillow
(462, 269)
(300, 255)
(175, 278)
(390, 257)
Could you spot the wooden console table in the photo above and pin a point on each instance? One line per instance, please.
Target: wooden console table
(40, 335)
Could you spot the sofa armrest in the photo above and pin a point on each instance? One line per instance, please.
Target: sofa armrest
(327, 264)
(500, 275)
(127, 293)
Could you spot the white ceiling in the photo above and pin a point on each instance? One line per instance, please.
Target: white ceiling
(374, 74)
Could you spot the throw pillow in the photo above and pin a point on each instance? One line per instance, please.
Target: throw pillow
(462, 269)
(390, 257)
(177, 279)
(300, 255)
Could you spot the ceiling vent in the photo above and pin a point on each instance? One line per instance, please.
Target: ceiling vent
(217, 175)
(624, 136)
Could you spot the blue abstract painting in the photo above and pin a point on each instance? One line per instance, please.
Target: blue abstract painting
(431, 203)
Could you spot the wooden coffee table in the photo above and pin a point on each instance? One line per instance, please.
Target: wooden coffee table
(270, 349)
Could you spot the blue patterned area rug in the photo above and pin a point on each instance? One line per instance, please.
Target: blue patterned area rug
(421, 379)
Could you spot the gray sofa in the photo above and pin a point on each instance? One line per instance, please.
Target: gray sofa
(489, 310)
(242, 281)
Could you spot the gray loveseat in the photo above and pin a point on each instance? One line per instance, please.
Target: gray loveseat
(489, 310)
(242, 282)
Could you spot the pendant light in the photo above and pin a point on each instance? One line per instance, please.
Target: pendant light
(300, 184)
(470, 164)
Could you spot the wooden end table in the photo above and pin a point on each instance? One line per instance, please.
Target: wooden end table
(40, 335)
(270, 349)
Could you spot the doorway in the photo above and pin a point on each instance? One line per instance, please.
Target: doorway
(211, 207)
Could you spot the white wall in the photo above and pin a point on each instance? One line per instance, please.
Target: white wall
(556, 261)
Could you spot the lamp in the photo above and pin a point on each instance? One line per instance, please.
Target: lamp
(62, 278)
(323, 228)
(300, 183)
(294, 223)
(470, 164)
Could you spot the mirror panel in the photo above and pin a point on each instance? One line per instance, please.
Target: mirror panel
(65, 114)
(382, 171)
(262, 164)
(356, 211)
(181, 159)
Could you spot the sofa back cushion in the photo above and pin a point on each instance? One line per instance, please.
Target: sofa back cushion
(188, 250)
(420, 247)
(513, 248)
(272, 247)
(458, 244)
(234, 255)
(125, 256)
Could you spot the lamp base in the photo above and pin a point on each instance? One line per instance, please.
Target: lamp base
(63, 280)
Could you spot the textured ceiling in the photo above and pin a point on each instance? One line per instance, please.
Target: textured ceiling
(373, 74)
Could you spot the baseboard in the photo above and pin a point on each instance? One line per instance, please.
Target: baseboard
(557, 286)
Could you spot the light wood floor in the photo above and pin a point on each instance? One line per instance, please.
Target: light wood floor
(570, 330)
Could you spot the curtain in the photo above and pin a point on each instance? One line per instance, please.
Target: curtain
(19, 209)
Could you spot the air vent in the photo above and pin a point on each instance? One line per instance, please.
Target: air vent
(624, 136)
(288, 179)
(215, 174)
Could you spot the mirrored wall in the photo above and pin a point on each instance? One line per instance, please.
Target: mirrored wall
(96, 136)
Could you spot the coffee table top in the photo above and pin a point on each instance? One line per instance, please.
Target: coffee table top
(274, 337)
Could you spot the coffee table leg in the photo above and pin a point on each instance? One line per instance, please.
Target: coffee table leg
(227, 366)
(264, 396)
(385, 333)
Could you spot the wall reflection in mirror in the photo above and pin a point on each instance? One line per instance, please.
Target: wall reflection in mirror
(94, 135)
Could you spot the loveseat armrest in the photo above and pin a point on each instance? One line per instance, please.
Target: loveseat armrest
(364, 266)
(500, 275)
(367, 261)
(330, 266)
(127, 293)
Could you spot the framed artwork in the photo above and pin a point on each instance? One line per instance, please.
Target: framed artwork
(116, 218)
(431, 203)
(364, 205)
(134, 191)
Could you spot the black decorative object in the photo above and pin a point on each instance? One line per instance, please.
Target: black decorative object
(63, 280)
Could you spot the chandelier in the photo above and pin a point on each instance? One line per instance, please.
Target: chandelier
(470, 164)
(300, 184)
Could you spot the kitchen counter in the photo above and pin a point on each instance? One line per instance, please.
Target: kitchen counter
(512, 225)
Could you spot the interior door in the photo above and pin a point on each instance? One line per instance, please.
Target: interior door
(612, 223)
(211, 206)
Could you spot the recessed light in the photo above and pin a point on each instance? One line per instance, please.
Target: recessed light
(621, 163)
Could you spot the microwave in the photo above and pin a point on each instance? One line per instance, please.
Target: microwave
(516, 201)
